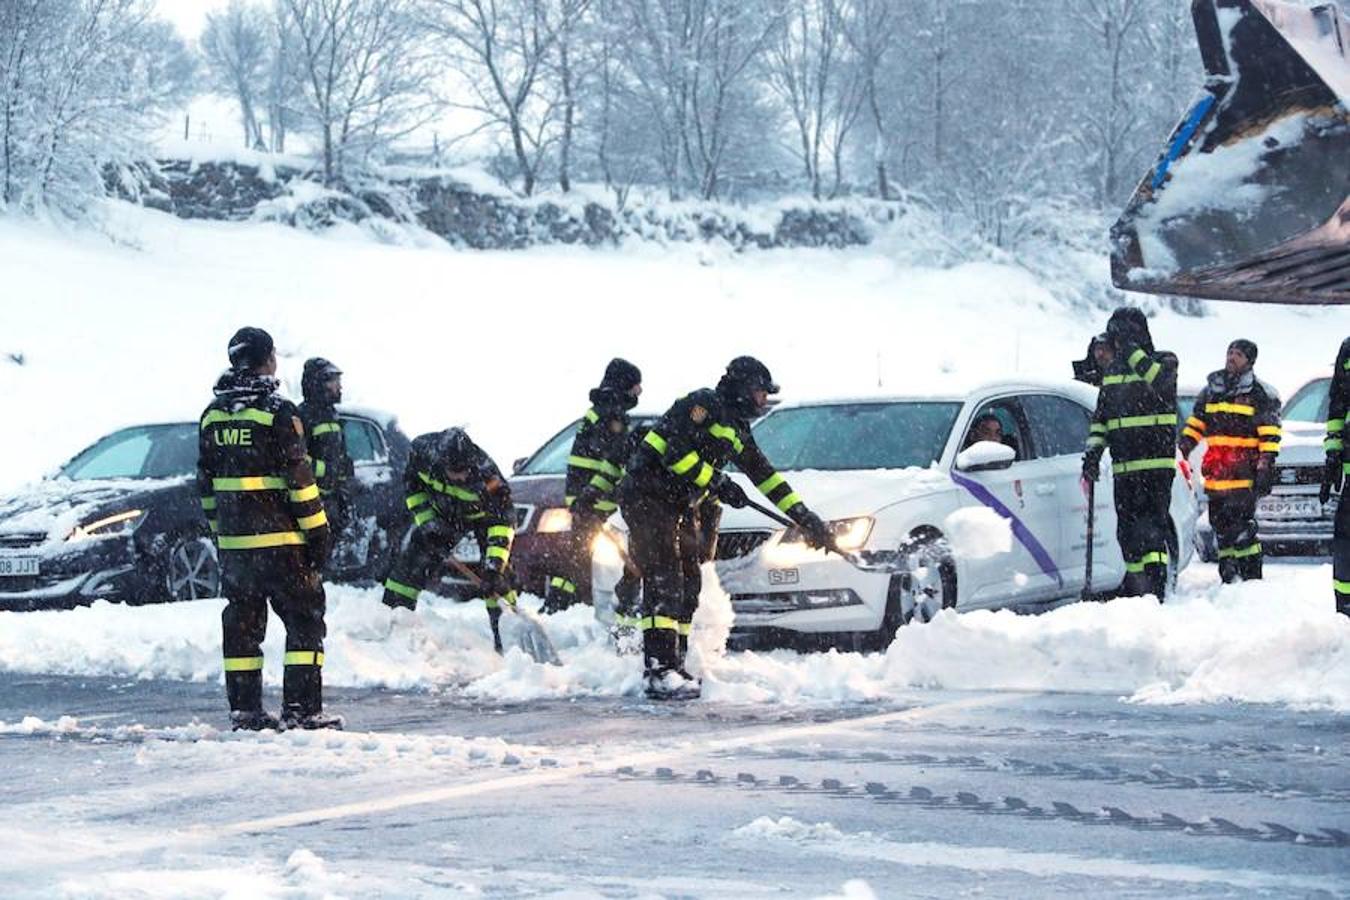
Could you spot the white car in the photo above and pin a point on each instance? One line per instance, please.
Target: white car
(896, 478)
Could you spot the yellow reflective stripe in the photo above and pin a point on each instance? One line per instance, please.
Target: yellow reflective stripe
(1192, 434)
(1268, 430)
(685, 463)
(325, 428)
(1121, 379)
(1141, 465)
(424, 517)
(1230, 484)
(498, 552)
(656, 442)
(592, 416)
(1197, 424)
(309, 523)
(1223, 440)
(1341, 587)
(705, 475)
(603, 483)
(1240, 552)
(1152, 372)
(1157, 558)
(1097, 428)
(310, 492)
(260, 541)
(789, 501)
(663, 622)
(419, 499)
(258, 416)
(1269, 447)
(770, 483)
(1237, 409)
(250, 483)
(685, 628)
(304, 658)
(562, 584)
(1136, 357)
(403, 590)
(215, 526)
(1139, 421)
(1094, 441)
(605, 505)
(320, 468)
(208, 503)
(501, 531)
(595, 465)
(243, 663)
(1333, 444)
(457, 492)
(1335, 426)
(727, 433)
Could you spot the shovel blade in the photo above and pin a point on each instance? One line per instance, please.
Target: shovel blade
(533, 639)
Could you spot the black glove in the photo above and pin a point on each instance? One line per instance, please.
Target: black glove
(1333, 476)
(495, 583)
(1092, 466)
(1265, 478)
(730, 493)
(816, 532)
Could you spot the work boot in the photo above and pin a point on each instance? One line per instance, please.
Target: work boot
(294, 719)
(253, 720)
(672, 684)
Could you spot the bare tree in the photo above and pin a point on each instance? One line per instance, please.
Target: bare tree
(236, 46)
(365, 75)
(871, 30)
(1110, 121)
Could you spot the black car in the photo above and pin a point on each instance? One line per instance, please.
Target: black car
(122, 520)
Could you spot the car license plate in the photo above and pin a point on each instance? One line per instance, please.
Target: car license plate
(19, 566)
(1289, 508)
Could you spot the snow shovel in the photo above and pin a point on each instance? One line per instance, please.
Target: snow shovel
(533, 638)
(891, 567)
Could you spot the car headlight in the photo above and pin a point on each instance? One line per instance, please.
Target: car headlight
(118, 523)
(608, 548)
(553, 520)
(849, 534)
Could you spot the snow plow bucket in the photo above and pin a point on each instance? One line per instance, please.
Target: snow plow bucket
(1250, 199)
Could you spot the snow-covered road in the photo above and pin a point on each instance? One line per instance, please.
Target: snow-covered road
(121, 784)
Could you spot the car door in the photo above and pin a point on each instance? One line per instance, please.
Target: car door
(1025, 494)
(1060, 426)
(374, 491)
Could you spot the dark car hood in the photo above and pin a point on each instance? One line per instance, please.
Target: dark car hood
(56, 506)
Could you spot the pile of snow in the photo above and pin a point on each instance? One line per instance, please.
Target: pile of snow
(977, 532)
(1262, 642)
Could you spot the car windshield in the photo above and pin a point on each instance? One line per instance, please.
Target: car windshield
(857, 435)
(1310, 403)
(146, 451)
(551, 459)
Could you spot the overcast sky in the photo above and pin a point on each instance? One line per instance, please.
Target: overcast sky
(189, 15)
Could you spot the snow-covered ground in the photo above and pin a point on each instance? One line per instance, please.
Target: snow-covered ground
(133, 329)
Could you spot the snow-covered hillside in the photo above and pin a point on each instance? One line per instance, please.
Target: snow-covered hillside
(133, 328)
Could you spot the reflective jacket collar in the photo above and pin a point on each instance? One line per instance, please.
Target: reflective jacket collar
(239, 385)
(1220, 384)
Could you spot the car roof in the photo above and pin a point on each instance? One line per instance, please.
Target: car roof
(1085, 393)
(383, 418)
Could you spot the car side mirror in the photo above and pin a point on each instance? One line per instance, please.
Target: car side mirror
(983, 456)
(518, 465)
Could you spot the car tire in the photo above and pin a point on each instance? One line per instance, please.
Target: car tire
(191, 568)
(937, 585)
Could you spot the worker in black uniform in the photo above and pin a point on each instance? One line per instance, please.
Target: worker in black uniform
(670, 477)
(454, 488)
(258, 493)
(1237, 415)
(594, 468)
(1333, 478)
(321, 385)
(1136, 418)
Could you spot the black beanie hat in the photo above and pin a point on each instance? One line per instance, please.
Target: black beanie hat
(1246, 348)
(249, 348)
(621, 375)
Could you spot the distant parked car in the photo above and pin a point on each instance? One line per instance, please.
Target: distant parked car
(1291, 519)
(895, 476)
(122, 520)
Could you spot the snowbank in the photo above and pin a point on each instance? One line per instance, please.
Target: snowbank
(1261, 642)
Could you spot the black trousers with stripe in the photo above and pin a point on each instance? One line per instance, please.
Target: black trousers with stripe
(250, 580)
(1232, 514)
(667, 545)
(1144, 529)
